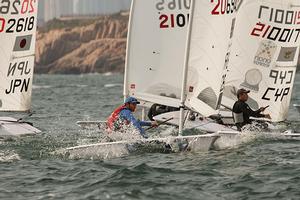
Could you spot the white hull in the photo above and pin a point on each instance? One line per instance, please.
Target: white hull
(233, 139)
(228, 137)
(11, 127)
(203, 124)
(197, 143)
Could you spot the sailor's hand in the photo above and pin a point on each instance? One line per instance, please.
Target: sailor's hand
(154, 124)
(262, 109)
(268, 116)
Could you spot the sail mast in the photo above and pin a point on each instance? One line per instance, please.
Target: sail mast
(125, 91)
(185, 68)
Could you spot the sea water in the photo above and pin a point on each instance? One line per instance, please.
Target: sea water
(265, 168)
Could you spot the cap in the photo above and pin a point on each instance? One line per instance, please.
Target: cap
(132, 100)
(241, 91)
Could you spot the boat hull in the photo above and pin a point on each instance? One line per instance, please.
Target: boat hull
(199, 123)
(233, 139)
(197, 143)
(12, 127)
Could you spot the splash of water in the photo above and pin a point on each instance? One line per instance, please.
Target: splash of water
(8, 156)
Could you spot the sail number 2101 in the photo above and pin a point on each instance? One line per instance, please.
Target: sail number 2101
(173, 13)
(173, 20)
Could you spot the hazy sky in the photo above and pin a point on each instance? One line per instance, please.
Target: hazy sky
(49, 9)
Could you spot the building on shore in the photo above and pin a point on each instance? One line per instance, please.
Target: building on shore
(50, 9)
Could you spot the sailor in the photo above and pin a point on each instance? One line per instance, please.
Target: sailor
(157, 109)
(242, 112)
(123, 116)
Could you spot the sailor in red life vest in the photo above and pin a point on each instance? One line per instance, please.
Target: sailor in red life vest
(123, 116)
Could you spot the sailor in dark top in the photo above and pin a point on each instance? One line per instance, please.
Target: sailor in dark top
(157, 109)
(242, 112)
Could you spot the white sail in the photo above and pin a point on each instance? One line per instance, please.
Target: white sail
(155, 50)
(212, 27)
(264, 55)
(18, 20)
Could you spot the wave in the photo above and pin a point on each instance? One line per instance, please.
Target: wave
(113, 85)
(59, 86)
(108, 74)
(8, 156)
(35, 87)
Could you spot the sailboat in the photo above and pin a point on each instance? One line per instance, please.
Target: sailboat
(212, 48)
(264, 56)
(156, 54)
(158, 69)
(18, 22)
(182, 69)
(190, 79)
(157, 36)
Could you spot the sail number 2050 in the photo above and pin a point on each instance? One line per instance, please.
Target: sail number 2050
(224, 6)
(17, 25)
(17, 6)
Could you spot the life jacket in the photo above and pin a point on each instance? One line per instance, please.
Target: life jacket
(113, 122)
(238, 117)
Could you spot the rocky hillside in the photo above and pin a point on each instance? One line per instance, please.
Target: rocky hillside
(82, 45)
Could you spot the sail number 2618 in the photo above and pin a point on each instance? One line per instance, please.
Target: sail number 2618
(17, 25)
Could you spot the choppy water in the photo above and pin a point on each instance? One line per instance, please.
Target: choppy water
(263, 169)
